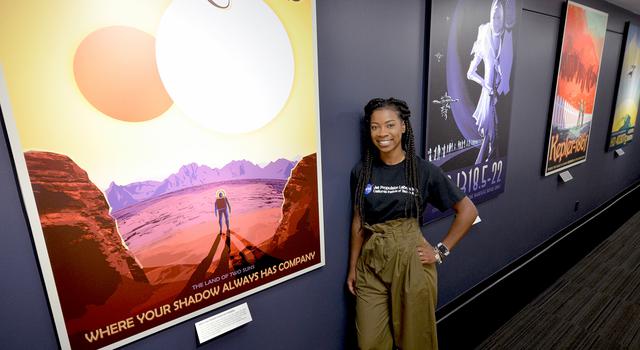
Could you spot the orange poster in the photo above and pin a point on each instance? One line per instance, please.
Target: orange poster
(576, 85)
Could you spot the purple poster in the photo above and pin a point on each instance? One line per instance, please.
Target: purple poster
(471, 65)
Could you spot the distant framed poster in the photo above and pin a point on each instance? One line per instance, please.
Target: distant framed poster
(471, 63)
(576, 84)
(625, 111)
(167, 153)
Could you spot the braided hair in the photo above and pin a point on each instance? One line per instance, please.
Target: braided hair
(371, 153)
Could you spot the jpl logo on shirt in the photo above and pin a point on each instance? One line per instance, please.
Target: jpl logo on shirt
(368, 189)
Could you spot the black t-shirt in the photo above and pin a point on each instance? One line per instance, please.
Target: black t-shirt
(387, 191)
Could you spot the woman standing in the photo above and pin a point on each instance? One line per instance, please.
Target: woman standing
(391, 265)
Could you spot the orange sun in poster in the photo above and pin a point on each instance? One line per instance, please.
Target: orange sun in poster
(115, 69)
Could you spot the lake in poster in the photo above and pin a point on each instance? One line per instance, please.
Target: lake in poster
(471, 67)
(167, 154)
(626, 108)
(576, 85)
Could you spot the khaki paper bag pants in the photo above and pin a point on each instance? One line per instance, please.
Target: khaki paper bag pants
(396, 294)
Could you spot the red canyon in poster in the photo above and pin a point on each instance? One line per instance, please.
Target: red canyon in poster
(177, 260)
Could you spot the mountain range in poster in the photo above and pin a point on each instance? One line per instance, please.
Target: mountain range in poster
(121, 196)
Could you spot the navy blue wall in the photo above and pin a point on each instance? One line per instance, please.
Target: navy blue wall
(533, 208)
(375, 48)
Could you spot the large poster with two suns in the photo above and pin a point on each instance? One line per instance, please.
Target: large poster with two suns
(167, 153)
(576, 84)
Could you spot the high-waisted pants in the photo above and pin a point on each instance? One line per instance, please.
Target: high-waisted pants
(396, 293)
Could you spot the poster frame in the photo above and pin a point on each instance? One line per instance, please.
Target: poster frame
(625, 36)
(563, 28)
(485, 180)
(28, 203)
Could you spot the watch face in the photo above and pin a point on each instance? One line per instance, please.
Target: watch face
(443, 249)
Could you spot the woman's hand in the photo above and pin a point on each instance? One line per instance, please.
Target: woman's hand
(351, 282)
(426, 252)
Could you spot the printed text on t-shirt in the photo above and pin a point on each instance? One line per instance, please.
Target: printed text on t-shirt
(381, 189)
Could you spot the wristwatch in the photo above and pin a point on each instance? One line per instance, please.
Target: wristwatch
(443, 250)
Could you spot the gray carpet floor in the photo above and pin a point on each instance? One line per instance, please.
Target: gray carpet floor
(595, 305)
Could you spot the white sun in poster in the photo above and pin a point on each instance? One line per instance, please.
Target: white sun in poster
(225, 75)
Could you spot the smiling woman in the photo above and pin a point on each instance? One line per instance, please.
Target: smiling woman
(115, 69)
(391, 265)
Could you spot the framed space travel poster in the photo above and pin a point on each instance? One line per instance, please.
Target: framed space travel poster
(471, 67)
(625, 111)
(167, 153)
(576, 85)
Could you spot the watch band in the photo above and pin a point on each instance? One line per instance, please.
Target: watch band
(438, 256)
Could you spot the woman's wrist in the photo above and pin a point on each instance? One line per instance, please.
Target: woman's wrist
(437, 256)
